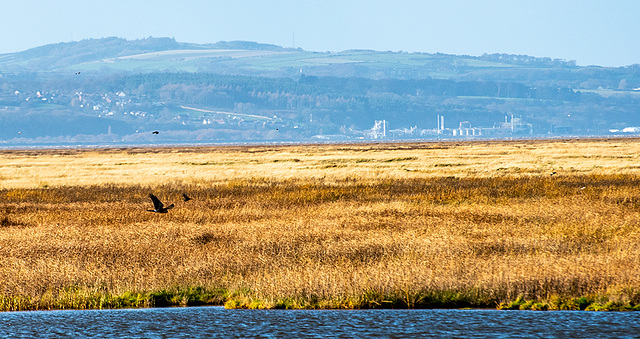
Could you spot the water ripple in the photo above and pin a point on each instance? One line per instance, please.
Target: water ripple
(208, 322)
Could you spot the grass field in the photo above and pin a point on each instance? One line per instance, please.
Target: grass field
(407, 225)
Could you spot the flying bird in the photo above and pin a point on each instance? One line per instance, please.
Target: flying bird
(185, 197)
(158, 206)
(155, 132)
(553, 173)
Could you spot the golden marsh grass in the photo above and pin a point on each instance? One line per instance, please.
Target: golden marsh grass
(466, 224)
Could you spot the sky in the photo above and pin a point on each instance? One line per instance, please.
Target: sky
(591, 32)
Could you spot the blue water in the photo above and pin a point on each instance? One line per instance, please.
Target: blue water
(207, 322)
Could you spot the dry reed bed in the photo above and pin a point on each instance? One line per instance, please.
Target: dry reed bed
(157, 166)
(400, 225)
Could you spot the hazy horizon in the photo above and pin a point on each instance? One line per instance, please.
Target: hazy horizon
(589, 32)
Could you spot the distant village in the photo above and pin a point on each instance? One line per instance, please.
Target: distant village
(118, 105)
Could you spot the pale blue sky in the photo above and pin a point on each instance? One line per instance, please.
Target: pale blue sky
(591, 32)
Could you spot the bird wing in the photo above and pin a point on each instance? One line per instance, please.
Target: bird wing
(170, 207)
(157, 204)
(186, 197)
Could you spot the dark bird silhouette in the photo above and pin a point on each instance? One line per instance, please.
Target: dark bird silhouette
(185, 197)
(155, 132)
(158, 206)
(77, 73)
(553, 173)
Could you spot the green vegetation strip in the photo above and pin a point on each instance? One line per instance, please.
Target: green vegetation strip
(82, 299)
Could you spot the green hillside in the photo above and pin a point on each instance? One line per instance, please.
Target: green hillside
(250, 58)
(117, 90)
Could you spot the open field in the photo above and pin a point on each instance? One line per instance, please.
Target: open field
(451, 224)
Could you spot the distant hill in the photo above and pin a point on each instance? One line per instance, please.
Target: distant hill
(68, 55)
(252, 58)
(109, 55)
(117, 90)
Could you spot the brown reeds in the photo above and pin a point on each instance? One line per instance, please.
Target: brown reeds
(361, 226)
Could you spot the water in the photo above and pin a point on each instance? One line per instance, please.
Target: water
(207, 322)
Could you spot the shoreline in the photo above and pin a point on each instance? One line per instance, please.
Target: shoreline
(164, 299)
(285, 143)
